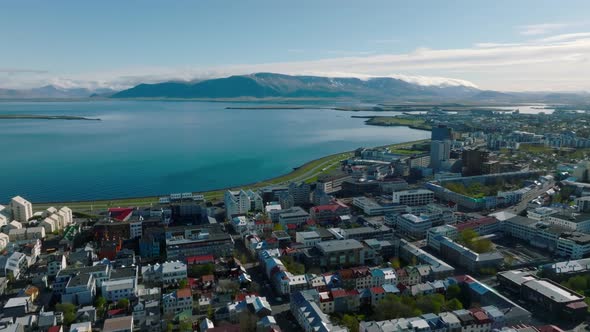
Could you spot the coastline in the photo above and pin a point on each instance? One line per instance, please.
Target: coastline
(308, 170)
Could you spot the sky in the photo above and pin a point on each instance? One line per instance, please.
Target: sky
(525, 45)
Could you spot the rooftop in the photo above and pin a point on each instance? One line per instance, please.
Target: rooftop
(339, 245)
(118, 324)
(551, 290)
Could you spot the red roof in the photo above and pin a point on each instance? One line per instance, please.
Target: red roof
(479, 315)
(185, 292)
(291, 226)
(115, 312)
(329, 207)
(476, 223)
(202, 259)
(54, 328)
(377, 290)
(338, 293)
(549, 328)
(120, 214)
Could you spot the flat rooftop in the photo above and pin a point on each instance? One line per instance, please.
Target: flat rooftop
(339, 245)
(553, 291)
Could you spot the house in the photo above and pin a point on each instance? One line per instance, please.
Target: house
(167, 273)
(80, 290)
(55, 263)
(17, 306)
(119, 324)
(114, 290)
(81, 327)
(177, 301)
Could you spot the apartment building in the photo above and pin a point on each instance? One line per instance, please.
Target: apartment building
(21, 209)
(413, 197)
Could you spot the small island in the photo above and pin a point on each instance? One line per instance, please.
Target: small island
(394, 121)
(44, 117)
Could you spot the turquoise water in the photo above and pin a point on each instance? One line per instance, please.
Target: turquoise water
(143, 148)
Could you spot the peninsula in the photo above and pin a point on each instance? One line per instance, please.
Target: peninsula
(44, 117)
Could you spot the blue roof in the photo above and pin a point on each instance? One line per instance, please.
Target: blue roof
(390, 288)
(377, 272)
(478, 288)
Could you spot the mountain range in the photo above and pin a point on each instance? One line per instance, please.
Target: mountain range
(53, 92)
(270, 85)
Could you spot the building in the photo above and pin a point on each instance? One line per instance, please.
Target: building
(371, 208)
(294, 216)
(473, 162)
(308, 239)
(415, 197)
(440, 152)
(574, 245)
(119, 324)
(17, 306)
(574, 221)
(55, 263)
(329, 213)
(167, 273)
(332, 184)
(80, 290)
(114, 290)
(412, 225)
(566, 269)
(467, 258)
(241, 202)
(432, 239)
(304, 307)
(197, 241)
(177, 301)
(441, 133)
(21, 209)
(553, 298)
(338, 253)
(300, 193)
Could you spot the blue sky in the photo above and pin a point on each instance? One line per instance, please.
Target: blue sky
(502, 45)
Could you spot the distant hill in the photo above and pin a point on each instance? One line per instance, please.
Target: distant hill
(269, 85)
(51, 92)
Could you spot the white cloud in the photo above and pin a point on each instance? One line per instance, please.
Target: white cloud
(557, 62)
(541, 29)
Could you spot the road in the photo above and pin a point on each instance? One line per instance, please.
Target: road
(522, 205)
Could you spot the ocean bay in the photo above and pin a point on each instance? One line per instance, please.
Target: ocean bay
(145, 148)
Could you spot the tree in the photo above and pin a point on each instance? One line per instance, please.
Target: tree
(210, 312)
(183, 283)
(100, 304)
(186, 325)
(577, 283)
(396, 263)
(278, 227)
(68, 310)
(453, 304)
(169, 327)
(351, 322)
(123, 304)
(453, 291)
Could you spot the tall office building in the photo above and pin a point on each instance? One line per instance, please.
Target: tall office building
(441, 133)
(473, 161)
(440, 151)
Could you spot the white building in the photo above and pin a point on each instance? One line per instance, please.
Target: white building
(445, 230)
(575, 221)
(114, 290)
(241, 202)
(21, 209)
(413, 197)
(413, 225)
(308, 239)
(167, 273)
(55, 263)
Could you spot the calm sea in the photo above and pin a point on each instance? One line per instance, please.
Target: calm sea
(143, 148)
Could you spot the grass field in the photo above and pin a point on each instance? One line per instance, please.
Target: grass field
(308, 172)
